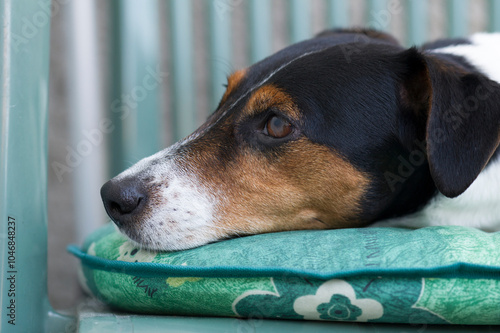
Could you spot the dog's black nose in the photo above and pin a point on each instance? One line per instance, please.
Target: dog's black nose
(122, 199)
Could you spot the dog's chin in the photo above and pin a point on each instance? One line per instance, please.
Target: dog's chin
(163, 240)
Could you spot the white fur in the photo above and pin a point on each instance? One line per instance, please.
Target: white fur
(183, 208)
(479, 205)
(483, 53)
(191, 205)
(186, 201)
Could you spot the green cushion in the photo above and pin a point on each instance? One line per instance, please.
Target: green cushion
(432, 275)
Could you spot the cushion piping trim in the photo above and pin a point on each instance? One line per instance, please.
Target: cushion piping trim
(146, 269)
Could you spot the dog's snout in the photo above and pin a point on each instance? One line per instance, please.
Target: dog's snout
(123, 199)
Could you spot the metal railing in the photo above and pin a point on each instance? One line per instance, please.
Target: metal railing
(135, 104)
(134, 120)
(24, 64)
(260, 24)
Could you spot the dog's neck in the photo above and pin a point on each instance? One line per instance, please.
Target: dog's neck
(477, 207)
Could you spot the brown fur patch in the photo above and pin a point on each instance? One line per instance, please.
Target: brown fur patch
(441, 65)
(307, 187)
(270, 96)
(232, 82)
(416, 91)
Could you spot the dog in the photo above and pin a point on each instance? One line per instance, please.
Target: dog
(345, 130)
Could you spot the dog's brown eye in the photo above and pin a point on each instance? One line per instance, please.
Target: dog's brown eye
(277, 127)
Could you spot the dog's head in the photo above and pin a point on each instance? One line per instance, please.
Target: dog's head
(333, 132)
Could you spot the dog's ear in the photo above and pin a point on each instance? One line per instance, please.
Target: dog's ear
(362, 33)
(455, 111)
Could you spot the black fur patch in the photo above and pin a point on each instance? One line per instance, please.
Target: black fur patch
(398, 115)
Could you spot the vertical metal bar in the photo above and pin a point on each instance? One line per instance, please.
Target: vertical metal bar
(338, 13)
(457, 18)
(220, 13)
(138, 80)
(118, 109)
(24, 71)
(494, 19)
(260, 29)
(85, 151)
(378, 15)
(184, 107)
(299, 20)
(417, 22)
